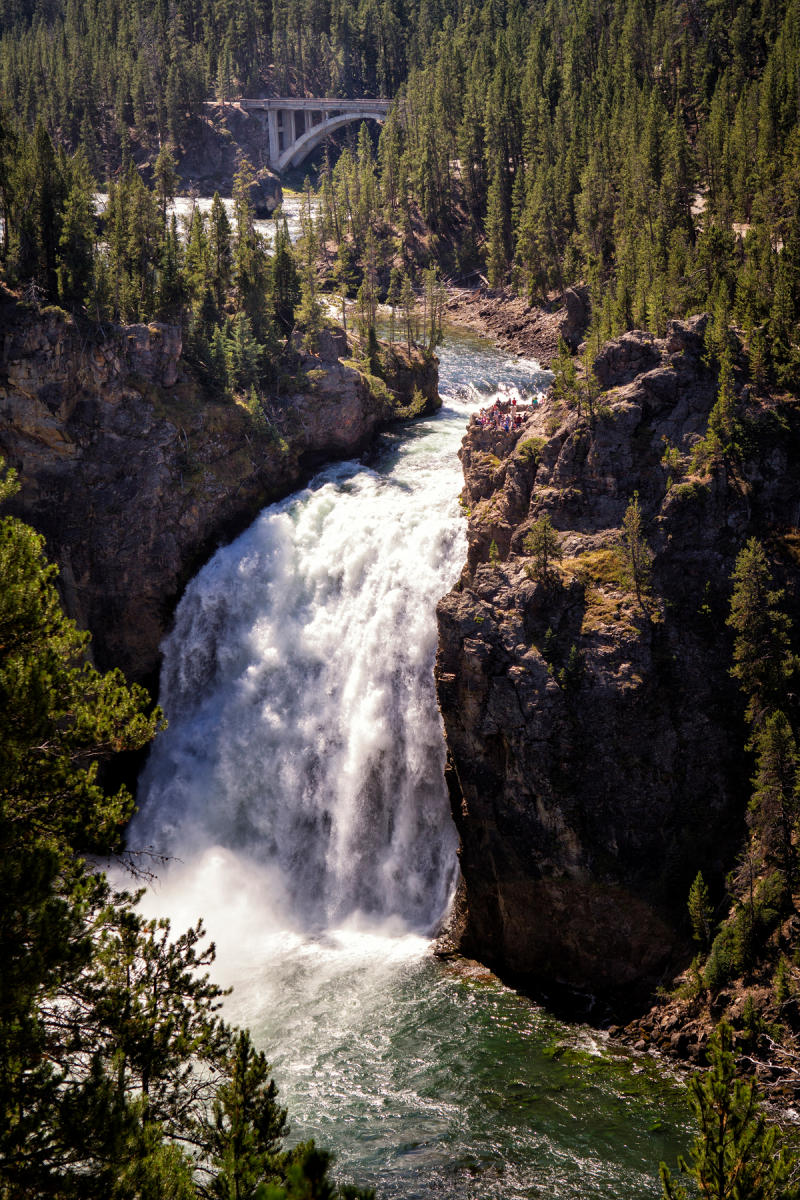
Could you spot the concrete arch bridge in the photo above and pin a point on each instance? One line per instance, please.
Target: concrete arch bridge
(296, 127)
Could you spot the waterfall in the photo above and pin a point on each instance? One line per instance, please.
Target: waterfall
(304, 737)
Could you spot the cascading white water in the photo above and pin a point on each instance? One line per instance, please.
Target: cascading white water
(298, 682)
(181, 207)
(304, 735)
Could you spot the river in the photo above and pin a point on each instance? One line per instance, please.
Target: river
(300, 790)
(181, 207)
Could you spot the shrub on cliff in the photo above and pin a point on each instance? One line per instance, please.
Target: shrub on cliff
(637, 555)
(544, 546)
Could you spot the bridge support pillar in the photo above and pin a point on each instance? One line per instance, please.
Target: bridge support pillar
(273, 149)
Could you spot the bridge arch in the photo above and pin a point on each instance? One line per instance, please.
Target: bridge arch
(313, 137)
(296, 126)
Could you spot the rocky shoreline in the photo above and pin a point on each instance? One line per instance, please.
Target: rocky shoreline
(517, 326)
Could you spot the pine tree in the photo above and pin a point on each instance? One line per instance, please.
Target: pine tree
(775, 803)
(564, 387)
(165, 178)
(150, 1014)
(75, 256)
(250, 265)
(496, 255)
(171, 290)
(435, 299)
(284, 280)
(135, 235)
(225, 73)
(544, 545)
(699, 906)
(762, 662)
(58, 718)
(196, 259)
(408, 303)
(247, 1126)
(735, 1155)
(310, 313)
(722, 444)
(220, 253)
(243, 353)
(393, 296)
(637, 555)
(8, 154)
(45, 204)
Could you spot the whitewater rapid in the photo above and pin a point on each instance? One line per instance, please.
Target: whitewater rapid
(305, 750)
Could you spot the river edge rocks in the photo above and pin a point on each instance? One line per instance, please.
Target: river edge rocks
(517, 326)
(135, 477)
(590, 786)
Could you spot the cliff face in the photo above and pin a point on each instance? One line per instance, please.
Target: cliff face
(595, 758)
(212, 152)
(134, 479)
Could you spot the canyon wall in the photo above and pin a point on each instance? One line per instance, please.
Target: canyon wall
(220, 138)
(595, 758)
(134, 476)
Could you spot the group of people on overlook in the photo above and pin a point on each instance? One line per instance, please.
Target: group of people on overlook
(503, 415)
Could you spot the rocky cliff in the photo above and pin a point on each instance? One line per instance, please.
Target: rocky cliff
(134, 477)
(220, 138)
(595, 742)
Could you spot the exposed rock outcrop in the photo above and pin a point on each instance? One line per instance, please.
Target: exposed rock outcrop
(212, 154)
(595, 743)
(134, 477)
(516, 325)
(412, 378)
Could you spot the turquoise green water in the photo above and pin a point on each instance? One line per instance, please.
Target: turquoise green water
(428, 1081)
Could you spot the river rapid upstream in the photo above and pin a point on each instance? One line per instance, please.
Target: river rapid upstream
(299, 790)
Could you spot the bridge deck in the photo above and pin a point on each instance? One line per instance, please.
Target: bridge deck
(316, 104)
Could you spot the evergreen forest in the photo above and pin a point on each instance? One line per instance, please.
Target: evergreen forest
(648, 150)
